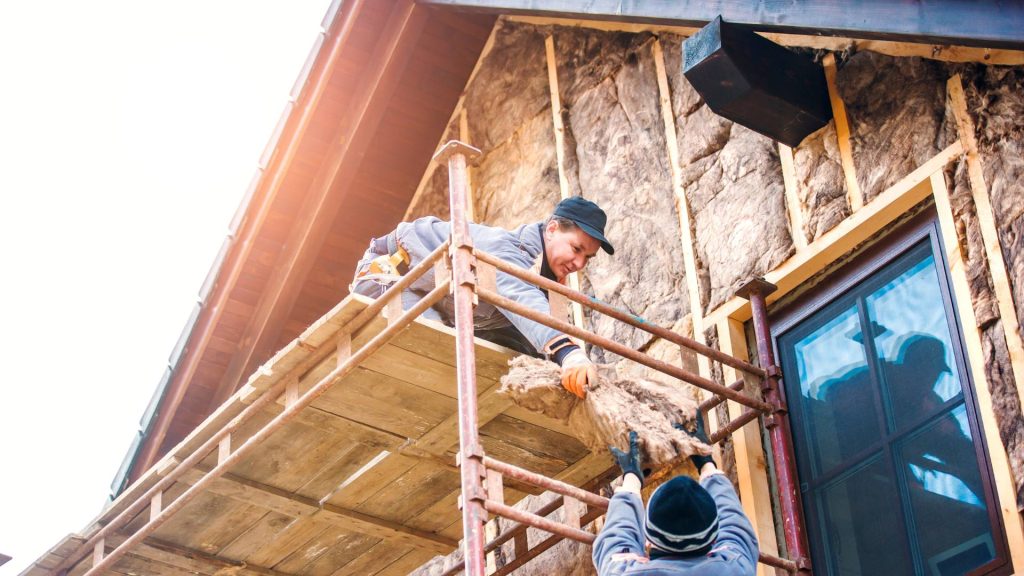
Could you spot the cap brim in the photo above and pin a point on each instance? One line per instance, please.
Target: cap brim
(593, 233)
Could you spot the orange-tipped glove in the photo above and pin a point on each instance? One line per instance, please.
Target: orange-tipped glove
(577, 372)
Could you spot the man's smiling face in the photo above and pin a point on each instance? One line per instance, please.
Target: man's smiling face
(567, 251)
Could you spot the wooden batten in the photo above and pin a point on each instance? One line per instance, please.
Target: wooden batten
(845, 236)
(989, 232)
(853, 193)
(685, 224)
(751, 466)
(1005, 491)
(941, 52)
(796, 216)
(563, 180)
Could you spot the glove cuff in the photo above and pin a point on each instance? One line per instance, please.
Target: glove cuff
(700, 460)
(560, 354)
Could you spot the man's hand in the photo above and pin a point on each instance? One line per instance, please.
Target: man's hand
(577, 372)
(629, 462)
(699, 460)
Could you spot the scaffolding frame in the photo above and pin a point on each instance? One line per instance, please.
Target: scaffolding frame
(469, 276)
(472, 280)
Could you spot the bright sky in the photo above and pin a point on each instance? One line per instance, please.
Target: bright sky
(129, 131)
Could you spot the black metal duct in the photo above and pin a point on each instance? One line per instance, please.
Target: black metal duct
(757, 83)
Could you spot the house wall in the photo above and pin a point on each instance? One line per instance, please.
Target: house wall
(728, 188)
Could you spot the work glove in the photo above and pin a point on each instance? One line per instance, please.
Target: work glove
(629, 462)
(577, 372)
(699, 460)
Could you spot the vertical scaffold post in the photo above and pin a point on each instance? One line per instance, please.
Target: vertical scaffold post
(471, 454)
(777, 424)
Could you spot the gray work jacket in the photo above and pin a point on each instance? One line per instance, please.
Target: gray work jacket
(619, 548)
(522, 247)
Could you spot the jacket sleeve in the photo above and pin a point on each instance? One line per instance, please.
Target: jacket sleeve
(527, 294)
(622, 536)
(735, 530)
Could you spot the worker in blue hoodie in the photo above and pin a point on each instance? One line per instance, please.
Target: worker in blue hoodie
(692, 528)
(554, 248)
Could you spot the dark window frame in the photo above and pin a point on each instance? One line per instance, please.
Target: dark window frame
(860, 268)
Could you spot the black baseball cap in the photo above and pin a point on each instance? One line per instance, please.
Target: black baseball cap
(587, 216)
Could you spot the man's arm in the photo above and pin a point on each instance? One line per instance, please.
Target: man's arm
(621, 541)
(735, 530)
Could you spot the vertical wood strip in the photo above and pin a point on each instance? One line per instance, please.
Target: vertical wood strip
(470, 170)
(1005, 492)
(685, 230)
(98, 551)
(989, 233)
(853, 194)
(751, 466)
(223, 449)
(796, 217)
(344, 348)
(156, 505)
(563, 180)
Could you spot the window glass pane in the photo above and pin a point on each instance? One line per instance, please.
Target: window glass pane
(837, 399)
(862, 533)
(950, 520)
(912, 340)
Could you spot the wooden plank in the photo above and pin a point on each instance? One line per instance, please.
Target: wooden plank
(989, 233)
(1001, 473)
(342, 552)
(410, 561)
(277, 500)
(751, 465)
(257, 537)
(538, 420)
(688, 246)
(941, 52)
(946, 22)
(535, 439)
(381, 555)
(851, 232)
(294, 535)
(446, 434)
(854, 197)
(412, 492)
(796, 216)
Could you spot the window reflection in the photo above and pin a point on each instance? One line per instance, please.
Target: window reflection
(882, 430)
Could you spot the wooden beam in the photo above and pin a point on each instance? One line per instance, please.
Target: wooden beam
(296, 506)
(687, 244)
(941, 52)
(751, 466)
(796, 216)
(1001, 473)
(983, 23)
(844, 237)
(854, 197)
(989, 233)
(563, 179)
(231, 270)
(191, 560)
(373, 94)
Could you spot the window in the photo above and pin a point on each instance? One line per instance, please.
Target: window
(893, 470)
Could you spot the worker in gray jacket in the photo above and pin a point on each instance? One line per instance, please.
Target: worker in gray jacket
(557, 247)
(692, 528)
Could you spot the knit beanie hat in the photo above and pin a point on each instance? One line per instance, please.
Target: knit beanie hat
(681, 517)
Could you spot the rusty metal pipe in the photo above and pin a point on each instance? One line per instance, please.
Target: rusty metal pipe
(779, 433)
(716, 400)
(608, 310)
(733, 425)
(551, 484)
(776, 562)
(493, 297)
(471, 469)
(257, 406)
(538, 522)
(280, 420)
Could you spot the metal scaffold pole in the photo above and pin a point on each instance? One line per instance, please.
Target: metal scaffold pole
(777, 424)
(471, 454)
